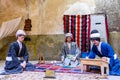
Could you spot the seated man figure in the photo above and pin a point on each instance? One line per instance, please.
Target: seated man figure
(70, 52)
(17, 57)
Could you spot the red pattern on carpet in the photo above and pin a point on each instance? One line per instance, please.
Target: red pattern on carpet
(59, 69)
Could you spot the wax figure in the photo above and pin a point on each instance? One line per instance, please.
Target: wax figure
(17, 57)
(105, 52)
(70, 52)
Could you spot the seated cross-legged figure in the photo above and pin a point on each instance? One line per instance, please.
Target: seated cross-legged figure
(17, 57)
(70, 52)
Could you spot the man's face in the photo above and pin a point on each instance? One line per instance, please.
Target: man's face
(68, 39)
(95, 42)
(21, 38)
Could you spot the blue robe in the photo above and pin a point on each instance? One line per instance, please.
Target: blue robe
(66, 53)
(12, 64)
(107, 51)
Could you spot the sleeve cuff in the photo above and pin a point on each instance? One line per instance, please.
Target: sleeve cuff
(108, 60)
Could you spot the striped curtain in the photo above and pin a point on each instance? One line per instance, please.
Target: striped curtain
(79, 26)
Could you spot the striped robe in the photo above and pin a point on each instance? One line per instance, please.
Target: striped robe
(74, 51)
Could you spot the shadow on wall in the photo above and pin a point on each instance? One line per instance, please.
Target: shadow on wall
(4, 45)
(50, 46)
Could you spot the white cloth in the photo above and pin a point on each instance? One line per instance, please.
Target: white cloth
(99, 47)
(9, 27)
(71, 62)
(68, 34)
(69, 45)
(8, 58)
(95, 35)
(20, 45)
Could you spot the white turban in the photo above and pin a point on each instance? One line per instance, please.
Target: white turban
(68, 34)
(95, 34)
(20, 32)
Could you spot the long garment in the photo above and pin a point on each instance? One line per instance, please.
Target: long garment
(69, 54)
(105, 50)
(13, 61)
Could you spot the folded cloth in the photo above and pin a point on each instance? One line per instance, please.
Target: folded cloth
(70, 62)
(70, 56)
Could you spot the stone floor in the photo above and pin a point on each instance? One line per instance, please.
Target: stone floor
(59, 76)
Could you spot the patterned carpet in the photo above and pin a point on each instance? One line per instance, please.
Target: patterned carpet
(62, 73)
(56, 68)
(62, 69)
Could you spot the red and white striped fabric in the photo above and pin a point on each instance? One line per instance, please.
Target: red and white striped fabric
(81, 25)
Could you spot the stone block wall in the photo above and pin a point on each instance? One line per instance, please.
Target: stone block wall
(48, 45)
(111, 9)
(114, 40)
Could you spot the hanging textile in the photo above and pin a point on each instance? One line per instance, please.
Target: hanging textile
(78, 26)
(9, 27)
(81, 25)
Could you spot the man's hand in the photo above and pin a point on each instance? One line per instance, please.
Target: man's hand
(62, 60)
(23, 64)
(104, 58)
(74, 59)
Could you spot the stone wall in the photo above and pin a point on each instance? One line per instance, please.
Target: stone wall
(4, 45)
(111, 9)
(49, 46)
(114, 40)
